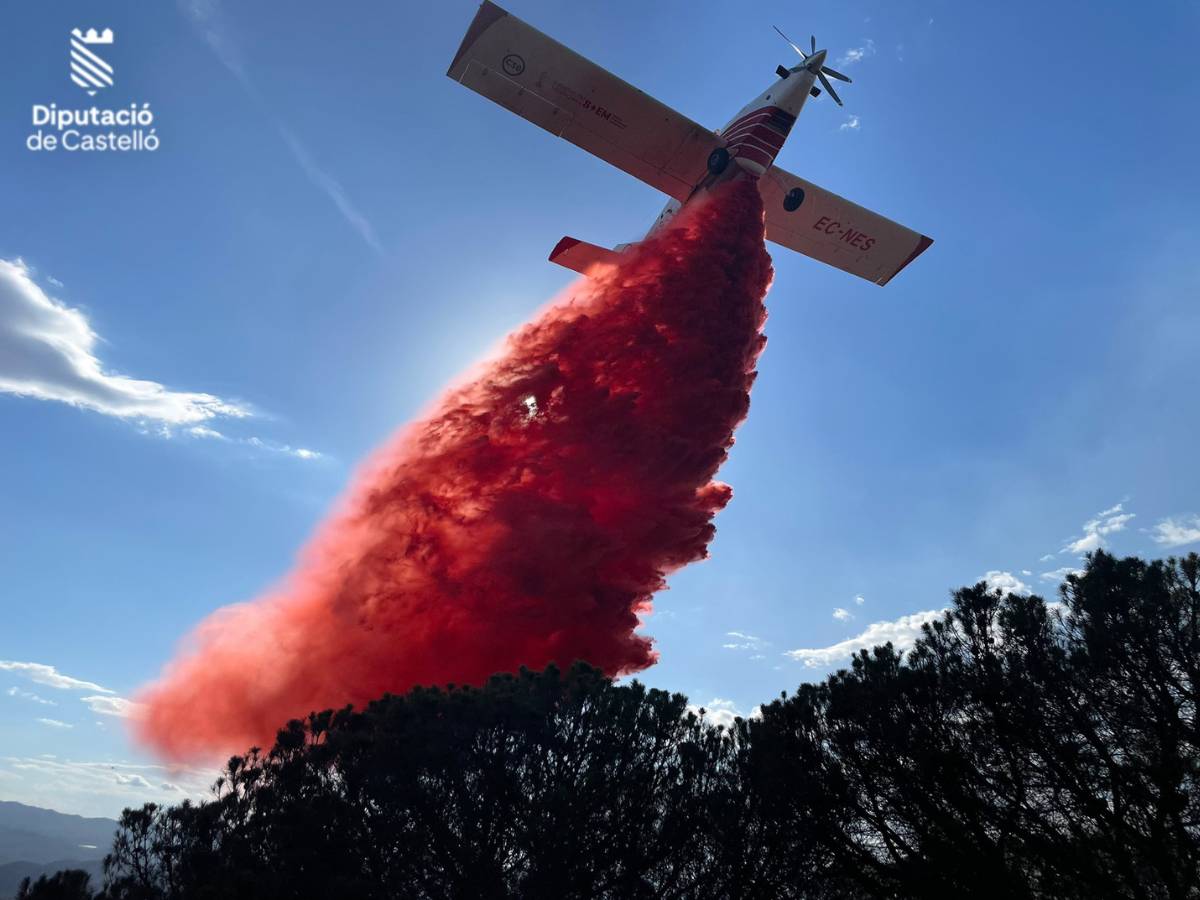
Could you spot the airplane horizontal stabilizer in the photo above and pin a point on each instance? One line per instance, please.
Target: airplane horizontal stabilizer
(580, 256)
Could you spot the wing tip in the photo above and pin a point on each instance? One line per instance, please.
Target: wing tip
(922, 245)
(487, 16)
(562, 247)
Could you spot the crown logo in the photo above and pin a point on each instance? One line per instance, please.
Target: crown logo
(94, 37)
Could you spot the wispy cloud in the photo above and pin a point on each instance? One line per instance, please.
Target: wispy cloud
(901, 633)
(857, 54)
(30, 696)
(48, 352)
(111, 706)
(327, 183)
(99, 787)
(1095, 530)
(98, 699)
(41, 673)
(205, 16)
(1060, 574)
(743, 641)
(852, 123)
(208, 19)
(1177, 531)
(1005, 582)
(287, 450)
(205, 433)
(842, 614)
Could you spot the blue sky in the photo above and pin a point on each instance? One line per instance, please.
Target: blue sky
(331, 230)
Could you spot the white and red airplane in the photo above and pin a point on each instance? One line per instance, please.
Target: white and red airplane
(539, 79)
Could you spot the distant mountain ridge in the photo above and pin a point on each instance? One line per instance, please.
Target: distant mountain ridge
(35, 840)
(33, 834)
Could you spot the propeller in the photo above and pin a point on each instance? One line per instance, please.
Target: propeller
(803, 55)
(820, 71)
(829, 88)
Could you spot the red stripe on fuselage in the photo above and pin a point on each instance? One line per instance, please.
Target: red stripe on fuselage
(746, 121)
(754, 155)
(751, 136)
(762, 132)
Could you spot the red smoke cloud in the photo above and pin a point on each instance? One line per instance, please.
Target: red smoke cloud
(527, 520)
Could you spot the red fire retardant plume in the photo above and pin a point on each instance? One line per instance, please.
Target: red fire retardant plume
(528, 520)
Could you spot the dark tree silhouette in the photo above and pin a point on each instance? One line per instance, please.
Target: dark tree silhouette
(1020, 749)
(67, 884)
(537, 785)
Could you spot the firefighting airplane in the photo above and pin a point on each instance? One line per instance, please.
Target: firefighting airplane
(539, 79)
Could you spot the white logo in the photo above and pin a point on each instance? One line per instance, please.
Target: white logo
(128, 128)
(88, 70)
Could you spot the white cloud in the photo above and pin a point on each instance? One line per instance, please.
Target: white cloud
(55, 723)
(722, 712)
(857, 54)
(205, 433)
(99, 788)
(1026, 572)
(29, 695)
(842, 614)
(47, 351)
(743, 641)
(50, 676)
(298, 452)
(1086, 544)
(1095, 530)
(1060, 574)
(852, 123)
(111, 706)
(901, 633)
(1005, 582)
(1175, 532)
(1046, 558)
(859, 600)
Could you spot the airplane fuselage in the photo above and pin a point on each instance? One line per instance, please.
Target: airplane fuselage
(754, 137)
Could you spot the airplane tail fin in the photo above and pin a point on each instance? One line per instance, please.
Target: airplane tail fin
(580, 256)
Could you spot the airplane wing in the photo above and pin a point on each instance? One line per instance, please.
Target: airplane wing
(539, 79)
(834, 230)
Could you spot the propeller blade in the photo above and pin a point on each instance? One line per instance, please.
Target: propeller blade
(829, 88)
(814, 42)
(838, 75)
(803, 55)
